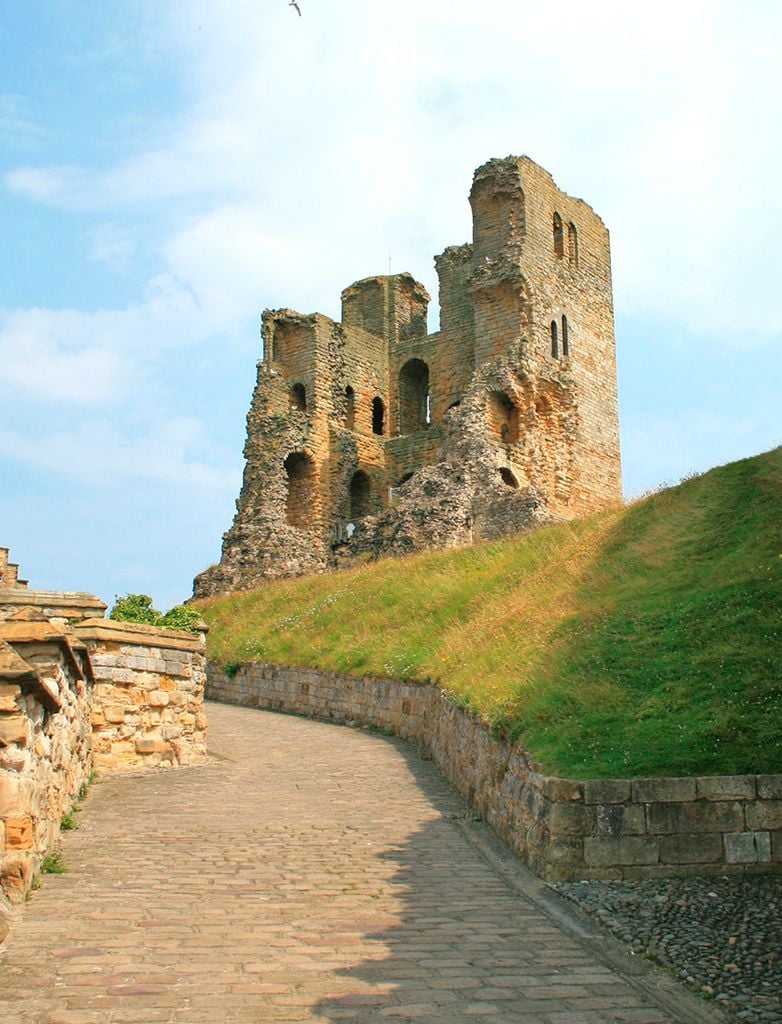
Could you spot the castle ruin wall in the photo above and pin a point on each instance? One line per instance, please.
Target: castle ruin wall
(372, 436)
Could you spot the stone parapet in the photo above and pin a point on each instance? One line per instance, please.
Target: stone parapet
(147, 704)
(564, 829)
(17, 603)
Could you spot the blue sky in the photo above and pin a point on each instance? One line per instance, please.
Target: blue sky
(169, 169)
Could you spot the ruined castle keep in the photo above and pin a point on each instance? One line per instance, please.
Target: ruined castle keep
(372, 436)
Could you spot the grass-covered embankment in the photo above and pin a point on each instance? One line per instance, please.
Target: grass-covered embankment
(645, 641)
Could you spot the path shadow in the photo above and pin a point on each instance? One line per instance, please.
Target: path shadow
(457, 943)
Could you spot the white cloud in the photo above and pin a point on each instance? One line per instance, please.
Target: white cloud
(176, 452)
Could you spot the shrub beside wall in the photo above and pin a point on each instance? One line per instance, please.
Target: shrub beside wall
(561, 828)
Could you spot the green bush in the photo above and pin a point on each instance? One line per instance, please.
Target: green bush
(139, 608)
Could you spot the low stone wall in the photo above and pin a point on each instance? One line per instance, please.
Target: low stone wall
(562, 828)
(78, 696)
(147, 705)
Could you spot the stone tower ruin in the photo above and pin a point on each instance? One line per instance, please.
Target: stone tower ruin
(372, 436)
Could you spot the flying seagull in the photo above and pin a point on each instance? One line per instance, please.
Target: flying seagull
(296, 6)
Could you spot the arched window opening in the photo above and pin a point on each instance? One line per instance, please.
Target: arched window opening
(572, 244)
(360, 495)
(378, 416)
(565, 336)
(298, 398)
(414, 404)
(300, 472)
(350, 408)
(503, 417)
(554, 340)
(508, 478)
(559, 236)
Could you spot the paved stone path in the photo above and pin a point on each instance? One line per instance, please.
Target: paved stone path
(308, 873)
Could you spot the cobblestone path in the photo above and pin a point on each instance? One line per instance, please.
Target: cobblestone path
(308, 873)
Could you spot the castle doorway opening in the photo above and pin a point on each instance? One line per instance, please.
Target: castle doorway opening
(300, 476)
(360, 495)
(414, 405)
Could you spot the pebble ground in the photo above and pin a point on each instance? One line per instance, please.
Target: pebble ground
(308, 873)
(723, 936)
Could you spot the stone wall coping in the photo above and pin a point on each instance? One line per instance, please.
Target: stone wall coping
(139, 634)
(12, 666)
(46, 598)
(43, 632)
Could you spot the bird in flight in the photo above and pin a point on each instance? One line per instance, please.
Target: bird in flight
(295, 6)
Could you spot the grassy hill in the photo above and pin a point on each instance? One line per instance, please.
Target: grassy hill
(644, 641)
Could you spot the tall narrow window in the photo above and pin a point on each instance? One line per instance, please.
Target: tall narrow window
(572, 244)
(378, 416)
(298, 398)
(559, 236)
(350, 407)
(554, 340)
(565, 337)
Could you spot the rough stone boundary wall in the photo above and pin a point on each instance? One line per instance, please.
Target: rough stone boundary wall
(561, 828)
(45, 683)
(147, 702)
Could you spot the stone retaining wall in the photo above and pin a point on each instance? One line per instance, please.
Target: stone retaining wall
(561, 828)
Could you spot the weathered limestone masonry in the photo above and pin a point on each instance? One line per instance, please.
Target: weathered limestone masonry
(147, 702)
(45, 679)
(371, 436)
(77, 693)
(562, 828)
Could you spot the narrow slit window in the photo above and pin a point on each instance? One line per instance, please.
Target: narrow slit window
(378, 416)
(554, 340)
(565, 336)
(559, 236)
(350, 408)
(572, 244)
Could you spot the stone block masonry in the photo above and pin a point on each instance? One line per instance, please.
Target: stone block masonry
(564, 829)
(147, 702)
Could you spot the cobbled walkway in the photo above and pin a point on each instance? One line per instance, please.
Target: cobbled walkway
(308, 873)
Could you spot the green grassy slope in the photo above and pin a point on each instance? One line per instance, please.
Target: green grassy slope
(646, 641)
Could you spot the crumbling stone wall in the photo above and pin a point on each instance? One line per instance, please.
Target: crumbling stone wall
(373, 436)
(45, 683)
